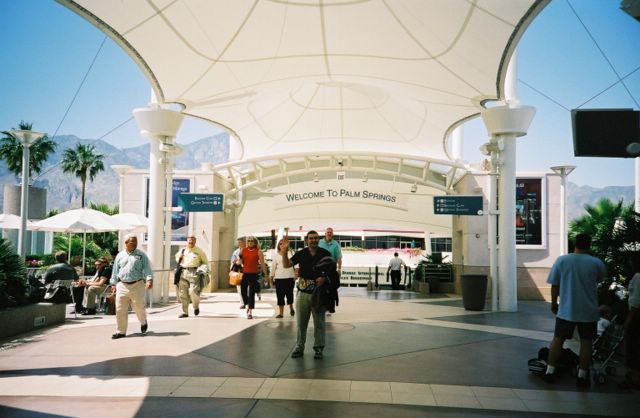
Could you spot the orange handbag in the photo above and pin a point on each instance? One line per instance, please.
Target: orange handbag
(235, 277)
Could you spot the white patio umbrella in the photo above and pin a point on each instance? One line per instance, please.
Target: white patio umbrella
(10, 221)
(138, 222)
(81, 220)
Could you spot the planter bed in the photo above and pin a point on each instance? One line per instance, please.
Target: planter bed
(30, 317)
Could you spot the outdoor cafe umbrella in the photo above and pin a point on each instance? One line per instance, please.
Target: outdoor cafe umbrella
(83, 221)
(137, 221)
(10, 221)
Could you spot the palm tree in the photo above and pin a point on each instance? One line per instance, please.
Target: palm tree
(615, 232)
(11, 151)
(612, 226)
(13, 283)
(83, 162)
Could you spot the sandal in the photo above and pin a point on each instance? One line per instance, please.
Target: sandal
(279, 316)
(249, 316)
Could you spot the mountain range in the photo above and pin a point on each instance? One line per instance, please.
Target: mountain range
(64, 190)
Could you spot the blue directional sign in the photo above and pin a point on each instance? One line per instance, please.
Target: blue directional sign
(201, 202)
(457, 205)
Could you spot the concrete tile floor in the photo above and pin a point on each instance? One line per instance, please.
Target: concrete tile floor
(389, 353)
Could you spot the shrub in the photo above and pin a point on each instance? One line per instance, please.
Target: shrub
(13, 279)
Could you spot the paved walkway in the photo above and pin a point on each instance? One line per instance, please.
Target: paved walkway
(389, 353)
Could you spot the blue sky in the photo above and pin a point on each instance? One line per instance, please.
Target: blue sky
(47, 50)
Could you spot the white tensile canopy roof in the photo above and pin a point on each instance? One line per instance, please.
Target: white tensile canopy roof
(339, 77)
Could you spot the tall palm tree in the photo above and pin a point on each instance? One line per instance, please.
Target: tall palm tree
(11, 151)
(83, 162)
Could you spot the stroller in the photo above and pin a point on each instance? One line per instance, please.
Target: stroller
(605, 348)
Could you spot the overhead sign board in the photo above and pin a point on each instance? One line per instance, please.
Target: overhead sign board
(201, 202)
(457, 205)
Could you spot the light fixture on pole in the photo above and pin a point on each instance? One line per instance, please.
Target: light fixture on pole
(27, 138)
(365, 177)
(563, 171)
(316, 178)
(414, 187)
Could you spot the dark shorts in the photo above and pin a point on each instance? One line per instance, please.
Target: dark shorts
(586, 330)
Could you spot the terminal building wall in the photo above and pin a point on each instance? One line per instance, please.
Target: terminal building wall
(470, 238)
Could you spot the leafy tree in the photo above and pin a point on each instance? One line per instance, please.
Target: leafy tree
(98, 244)
(83, 162)
(104, 208)
(108, 241)
(13, 281)
(615, 233)
(605, 222)
(11, 151)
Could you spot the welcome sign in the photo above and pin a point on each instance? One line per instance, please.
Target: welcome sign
(342, 195)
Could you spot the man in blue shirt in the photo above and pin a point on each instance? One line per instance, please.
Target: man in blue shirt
(574, 278)
(333, 247)
(132, 274)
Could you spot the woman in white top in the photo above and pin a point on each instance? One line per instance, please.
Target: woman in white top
(284, 281)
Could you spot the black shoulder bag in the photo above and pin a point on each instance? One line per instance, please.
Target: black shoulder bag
(178, 274)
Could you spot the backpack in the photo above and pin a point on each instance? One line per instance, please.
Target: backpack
(57, 294)
(537, 366)
(568, 361)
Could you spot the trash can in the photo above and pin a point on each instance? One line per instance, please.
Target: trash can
(474, 291)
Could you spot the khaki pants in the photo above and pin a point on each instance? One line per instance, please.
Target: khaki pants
(90, 295)
(134, 293)
(304, 311)
(189, 287)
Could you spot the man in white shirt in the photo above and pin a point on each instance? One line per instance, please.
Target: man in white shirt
(395, 268)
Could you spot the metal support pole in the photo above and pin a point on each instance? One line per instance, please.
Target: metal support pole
(563, 171)
(167, 227)
(24, 203)
(26, 138)
(492, 229)
(563, 214)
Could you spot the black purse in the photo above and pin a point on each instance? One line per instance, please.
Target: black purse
(178, 273)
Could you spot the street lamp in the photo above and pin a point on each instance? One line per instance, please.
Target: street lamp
(563, 171)
(27, 138)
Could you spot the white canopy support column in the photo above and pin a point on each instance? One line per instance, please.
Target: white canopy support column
(507, 123)
(170, 150)
(160, 126)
